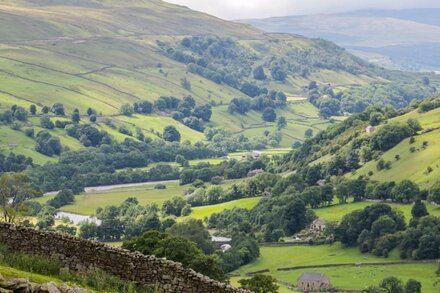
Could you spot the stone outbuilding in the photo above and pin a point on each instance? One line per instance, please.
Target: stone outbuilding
(370, 129)
(318, 225)
(313, 282)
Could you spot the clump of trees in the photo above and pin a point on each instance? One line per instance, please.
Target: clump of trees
(14, 163)
(178, 249)
(62, 198)
(47, 144)
(358, 99)
(260, 284)
(395, 285)
(261, 100)
(379, 229)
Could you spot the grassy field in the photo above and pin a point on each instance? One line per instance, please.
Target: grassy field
(87, 204)
(300, 116)
(268, 152)
(356, 278)
(412, 165)
(207, 211)
(336, 212)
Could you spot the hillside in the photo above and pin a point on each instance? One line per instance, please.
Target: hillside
(385, 152)
(406, 39)
(104, 54)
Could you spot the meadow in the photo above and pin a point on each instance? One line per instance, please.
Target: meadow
(361, 277)
(355, 277)
(203, 212)
(337, 211)
(87, 203)
(299, 113)
(411, 165)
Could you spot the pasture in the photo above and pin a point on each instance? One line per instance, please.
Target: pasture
(360, 277)
(337, 211)
(206, 211)
(351, 278)
(411, 165)
(300, 116)
(87, 203)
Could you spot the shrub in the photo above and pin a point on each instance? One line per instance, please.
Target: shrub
(30, 132)
(160, 186)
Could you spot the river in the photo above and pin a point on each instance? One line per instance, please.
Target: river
(76, 218)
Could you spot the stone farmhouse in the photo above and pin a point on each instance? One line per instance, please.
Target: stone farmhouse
(313, 282)
(318, 225)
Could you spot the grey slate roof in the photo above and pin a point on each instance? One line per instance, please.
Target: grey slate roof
(310, 277)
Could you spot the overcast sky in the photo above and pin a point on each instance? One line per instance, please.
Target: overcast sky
(238, 9)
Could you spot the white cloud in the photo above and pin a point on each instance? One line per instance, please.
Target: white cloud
(236, 9)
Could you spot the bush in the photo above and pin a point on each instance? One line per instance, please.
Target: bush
(45, 122)
(216, 180)
(126, 110)
(30, 132)
(62, 124)
(160, 186)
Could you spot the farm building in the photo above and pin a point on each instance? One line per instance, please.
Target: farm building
(318, 225)
(313, 282)
(370, 129)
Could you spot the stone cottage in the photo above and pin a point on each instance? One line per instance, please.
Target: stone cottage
(313, 282)
(318, 225)
(370, 129)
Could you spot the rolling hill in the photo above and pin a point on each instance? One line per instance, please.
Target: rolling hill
(408, 39)
(104, 54)
(381, 153)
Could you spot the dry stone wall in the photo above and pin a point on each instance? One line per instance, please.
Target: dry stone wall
(78, 254)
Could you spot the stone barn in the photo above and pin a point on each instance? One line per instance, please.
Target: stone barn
(313, 282)
(318, 225)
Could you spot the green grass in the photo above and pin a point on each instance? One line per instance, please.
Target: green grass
(214, 161)
(158, 123)
(336, 212)
(268, 152)
(411, 166)
(12, 141)
(16, 273)
(358, 278)
(355, 278)
(87, 204)
(207, 211)
(289, 256)
(300, 115)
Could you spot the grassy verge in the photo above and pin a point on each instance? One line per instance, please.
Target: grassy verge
(43, 269)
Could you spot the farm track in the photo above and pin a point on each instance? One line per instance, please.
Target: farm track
(94, 189)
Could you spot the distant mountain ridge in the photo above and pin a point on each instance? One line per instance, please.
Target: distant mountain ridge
(429, 16)
(400, 39)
